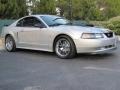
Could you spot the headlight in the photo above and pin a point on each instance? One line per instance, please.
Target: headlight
(92, 35)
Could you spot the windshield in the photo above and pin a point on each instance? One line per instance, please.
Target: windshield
(55, 20)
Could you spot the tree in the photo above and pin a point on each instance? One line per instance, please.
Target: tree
(81, 9)
(63, 6)
(90, 9)
(12, 8)
(22, 8)
(44, 7)
(110, 8)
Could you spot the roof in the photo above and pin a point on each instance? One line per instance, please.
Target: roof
(37, 15)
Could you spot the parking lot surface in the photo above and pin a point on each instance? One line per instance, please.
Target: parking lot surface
(36, 70)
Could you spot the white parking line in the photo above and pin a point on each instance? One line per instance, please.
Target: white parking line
(101, 69)
(33, 88)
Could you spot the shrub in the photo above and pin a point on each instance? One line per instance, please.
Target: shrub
(113, 24)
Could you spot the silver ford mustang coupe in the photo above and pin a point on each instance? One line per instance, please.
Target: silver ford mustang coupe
(56, 34)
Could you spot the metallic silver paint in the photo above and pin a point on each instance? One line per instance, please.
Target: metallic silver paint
(43, 38)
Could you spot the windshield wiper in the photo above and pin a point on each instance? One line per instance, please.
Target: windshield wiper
(56, 24)
(69, 23)
(57, 19)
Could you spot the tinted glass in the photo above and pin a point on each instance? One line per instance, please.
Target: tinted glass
(29, 22)
(20, 23)
(54, 20)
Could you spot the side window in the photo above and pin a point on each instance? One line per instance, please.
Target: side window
(30, 22)
(38, 23)
(20, 23)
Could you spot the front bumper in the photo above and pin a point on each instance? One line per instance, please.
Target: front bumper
(109, 50)
(96, 46)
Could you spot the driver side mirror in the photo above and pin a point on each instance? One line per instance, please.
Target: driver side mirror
(91, 25)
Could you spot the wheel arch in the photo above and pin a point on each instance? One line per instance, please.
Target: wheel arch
(7, 35)
(13, 47)
(10, 34)
(54, 41)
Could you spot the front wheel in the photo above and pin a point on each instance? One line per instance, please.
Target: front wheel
(10, 44)
(65, 47)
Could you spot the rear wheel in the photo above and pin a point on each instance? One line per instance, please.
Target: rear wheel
(10, 44)
(64, 47)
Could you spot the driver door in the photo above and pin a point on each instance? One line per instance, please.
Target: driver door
(31, 30)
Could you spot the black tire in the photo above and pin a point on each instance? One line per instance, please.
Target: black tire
(72, 49)
(12, 41)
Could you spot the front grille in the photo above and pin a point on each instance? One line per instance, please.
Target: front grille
(109, 34)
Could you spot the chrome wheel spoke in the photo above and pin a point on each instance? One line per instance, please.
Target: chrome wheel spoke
(63, 47)
(9, 44)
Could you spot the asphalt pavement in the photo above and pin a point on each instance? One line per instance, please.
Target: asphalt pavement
(36, 70)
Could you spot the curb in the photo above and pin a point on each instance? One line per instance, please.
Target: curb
(0, 41)
(1, 44)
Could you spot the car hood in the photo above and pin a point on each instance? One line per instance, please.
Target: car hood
(82, 29)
